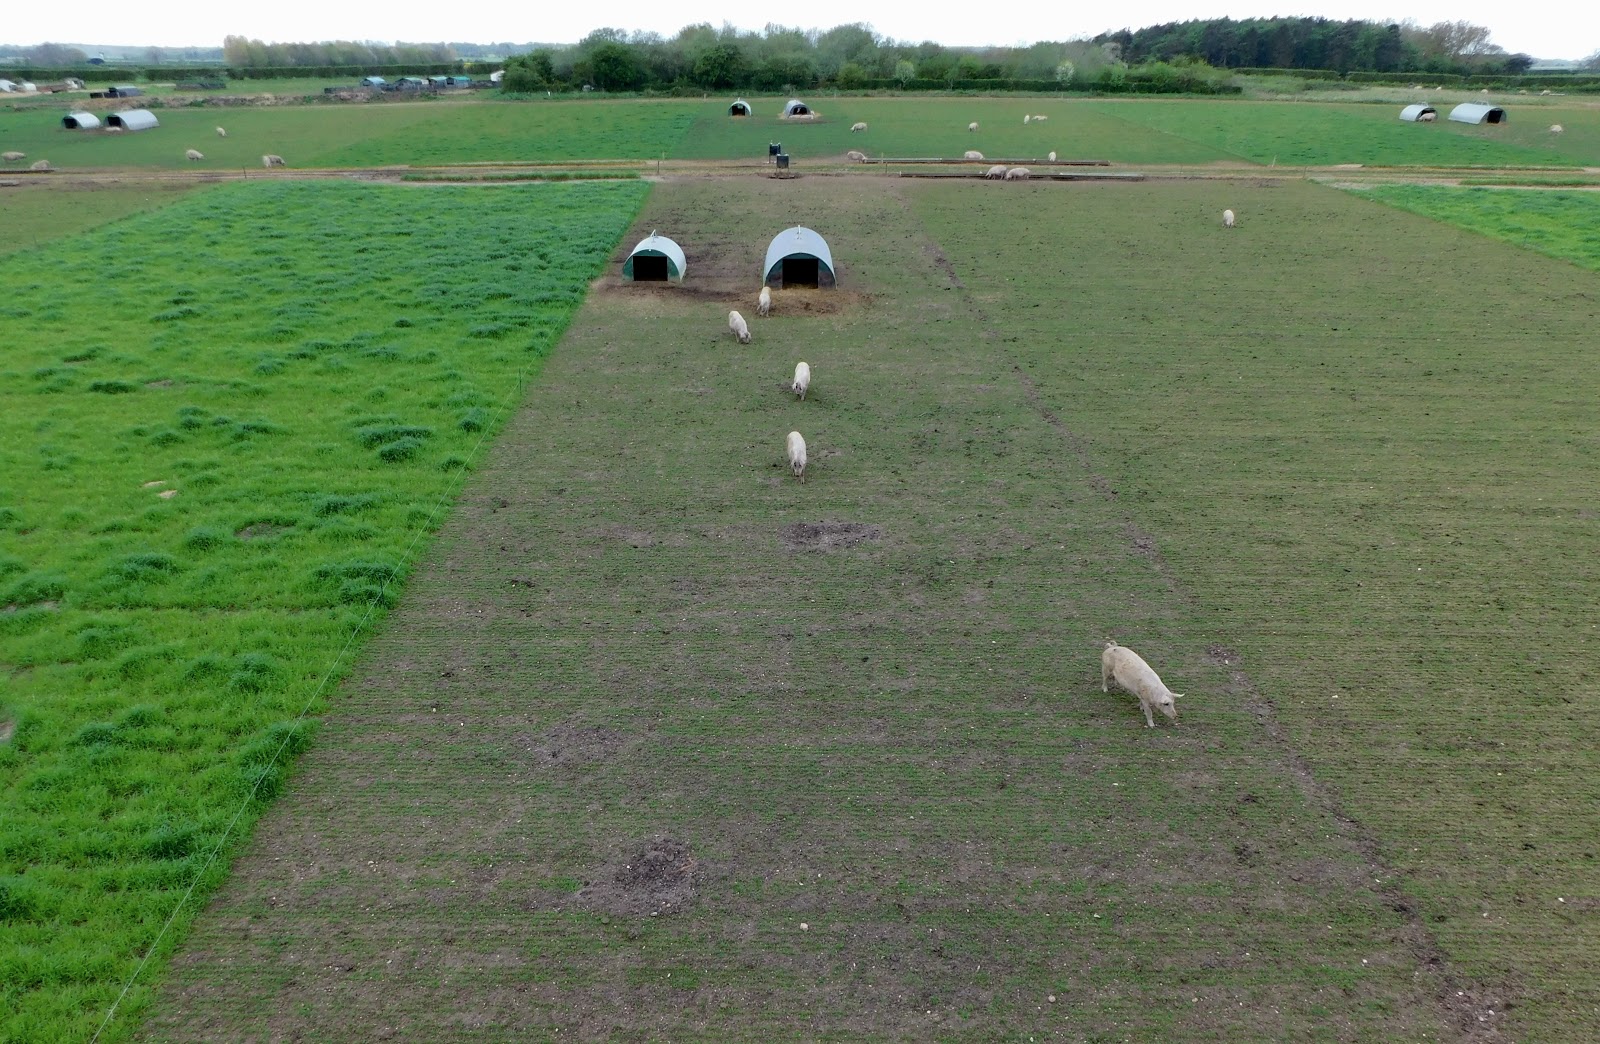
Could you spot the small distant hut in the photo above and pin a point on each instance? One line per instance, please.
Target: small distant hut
(1413, 113)
(798, 257)
(458, 81)
(1478, 112)
(374, 81)
(796, 107)
(124, 91)
(80, 121)
(656, 259)
(739, 108)
(133, 120)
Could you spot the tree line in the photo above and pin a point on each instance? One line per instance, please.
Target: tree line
(1320, 43)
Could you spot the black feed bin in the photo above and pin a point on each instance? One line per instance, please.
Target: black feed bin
(773, 148)
(783, 160)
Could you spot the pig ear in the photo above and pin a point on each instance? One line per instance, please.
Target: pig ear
(1177, 695)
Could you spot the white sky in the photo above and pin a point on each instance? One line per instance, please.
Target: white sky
(1537, 30)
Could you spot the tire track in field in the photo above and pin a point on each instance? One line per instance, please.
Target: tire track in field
(1474, 1010)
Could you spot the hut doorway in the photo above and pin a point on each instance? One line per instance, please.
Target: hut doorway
(647, 269)
(800, 271)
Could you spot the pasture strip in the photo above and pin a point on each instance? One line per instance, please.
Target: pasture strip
(662, 741)
(1374, 479)
(215, 480)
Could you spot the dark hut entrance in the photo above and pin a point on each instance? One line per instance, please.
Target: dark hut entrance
(800, 271)
(647, 269)
(739, 108)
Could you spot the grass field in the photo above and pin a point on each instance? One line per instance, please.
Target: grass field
(665, 744)
(1560, 224)
(42, 210)
(217, 467)
(1122, 131)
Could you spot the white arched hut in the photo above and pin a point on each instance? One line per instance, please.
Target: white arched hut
(796, 107)
(80, 121)
(798, 257)
(1478, 112)
(133, 120)
(1414, 113)
(656, 259)
(740, 107)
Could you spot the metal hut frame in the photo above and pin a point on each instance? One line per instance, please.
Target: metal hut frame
(798, 257)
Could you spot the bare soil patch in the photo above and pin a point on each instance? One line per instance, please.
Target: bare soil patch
(260, 531)
(656, 878)
(827, 536)
(570, 744)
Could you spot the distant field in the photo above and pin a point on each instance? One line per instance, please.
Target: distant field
(42, 210)
(1560, 224)
(307, 370)
(1129, 132)
(1316, 134)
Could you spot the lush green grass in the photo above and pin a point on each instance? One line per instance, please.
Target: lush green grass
(906, 807)
(1317, 134)
(934, 126)
(308, 369)
(43, 209)
(1561, 224)
(1132, 131)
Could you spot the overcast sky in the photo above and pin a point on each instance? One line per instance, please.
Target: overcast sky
(1537, 30)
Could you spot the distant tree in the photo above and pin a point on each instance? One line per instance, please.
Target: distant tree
(54, 54)
(529, 72)
(852, 76)
(615, 67)
(155, 55)
(905, 71)
(719, 66)
(1591, 63)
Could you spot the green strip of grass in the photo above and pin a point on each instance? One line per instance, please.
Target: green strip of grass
(214, 471)
(38, 212)
(1559, 224)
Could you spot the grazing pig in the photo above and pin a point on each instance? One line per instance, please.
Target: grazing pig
(1128, 669)
(764, 302)
(996, 172)
(221, 133)
(796, 448)
(972, 126)
(802, 379)
(972, 154)
(1018, 174)
(740, 328)
(1052, 157)
(857, 127)
(270, 160)
(858, 157)
(193, 156)
(1227, 219)
(12, 157)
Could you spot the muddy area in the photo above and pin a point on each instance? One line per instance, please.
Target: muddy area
(827, 536)
(657, 878)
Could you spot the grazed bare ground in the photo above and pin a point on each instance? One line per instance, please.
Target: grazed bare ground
(625, 765)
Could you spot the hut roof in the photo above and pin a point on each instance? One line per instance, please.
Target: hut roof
(1412, 112)
(1478, 112)
(80, 121)
(792, 242)
(133, 119)
(655, 245)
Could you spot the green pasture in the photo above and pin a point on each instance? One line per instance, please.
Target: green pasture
(227, 431)
(44, 209)
(1127, 132)
(1560, 224)
(1318, 134)
(636, 759)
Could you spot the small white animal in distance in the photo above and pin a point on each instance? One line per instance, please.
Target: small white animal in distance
(270, 160)
(740, 328)
(1128, 669)
(221, 133)
(1052, 157)
(1018, 174)
(802, 379)
(795, 449)
(858, 157)
(193, 155)
(854, 127)
(972, 126)
(1026, 120)
(764, 302)
(996, 172)
(972, 154)
(1040, 119)
(1556, 128)
(1227, 219)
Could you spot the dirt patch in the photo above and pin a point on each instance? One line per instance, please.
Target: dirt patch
(260, 531)
(19, 606)
(656, 879)
(933, 253)
(827, 536)
(1141, 542)
(166, 383)
(1222, 656)
(7, 730)
(572, 745)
